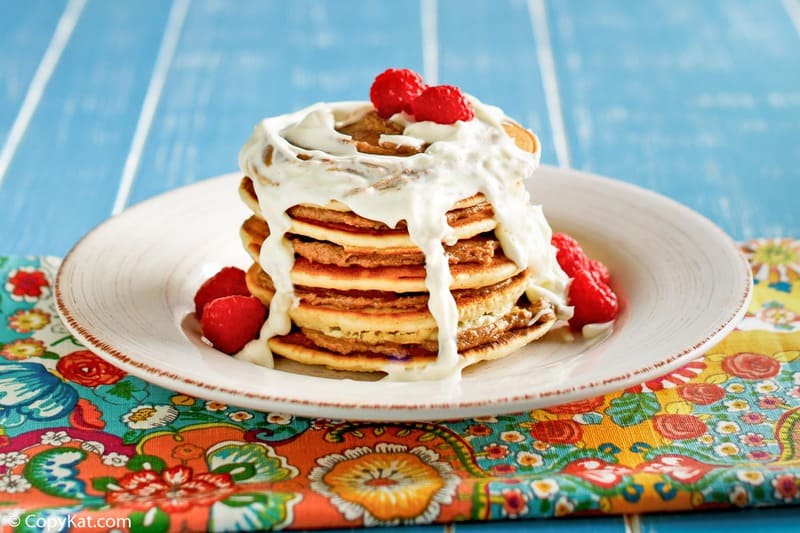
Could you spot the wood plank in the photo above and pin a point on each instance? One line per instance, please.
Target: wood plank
(64, 175)
(600, 524)
(25, 30)
(697, 100)
(398, 529)
(487, 48)
(745, 521)
(237, 63)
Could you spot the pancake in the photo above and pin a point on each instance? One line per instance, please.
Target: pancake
(400, 278)
(478, 249)
(470, 333)
(470, 211)
(361, 286)
(468, 218)
(300, 348)
(382, 316)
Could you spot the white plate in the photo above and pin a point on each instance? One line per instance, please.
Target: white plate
(126, 288)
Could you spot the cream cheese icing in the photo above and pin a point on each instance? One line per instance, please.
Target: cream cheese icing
(300, 158)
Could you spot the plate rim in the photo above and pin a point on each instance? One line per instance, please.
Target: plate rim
(257, 400)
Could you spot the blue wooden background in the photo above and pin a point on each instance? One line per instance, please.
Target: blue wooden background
(104, 103)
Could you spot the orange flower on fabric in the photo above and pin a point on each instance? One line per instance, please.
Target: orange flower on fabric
(174, 490)
(182, 399)
(786, 487)
(557, 431)
(747, 365)
(774, 261)
(679, 427)
(495, 451)
(504, 469)
(701, 393)
(515, 502)
(22, 349)
(27, 320)
(389, 484)
(575, 408)
(85, 368)
(187, 451)
(479, 430)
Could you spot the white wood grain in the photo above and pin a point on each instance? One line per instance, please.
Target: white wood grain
(39, 82)
(430, 41)
(166, 53)
(541, 32)
(793, 9)
(632, 523)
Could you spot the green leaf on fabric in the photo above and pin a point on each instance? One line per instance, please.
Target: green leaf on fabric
(53, 472)
(125, 392)
(101, 484)
(122, 389)
(152, 521)
(69, 338)
(50, 355)
(545, 506)
(146, 462)
(246, 498)
(131, 436)
(631, 409)
(237, 471)
(253, 511)
(261, 458)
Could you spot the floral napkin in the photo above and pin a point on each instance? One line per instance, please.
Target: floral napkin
(83, 444)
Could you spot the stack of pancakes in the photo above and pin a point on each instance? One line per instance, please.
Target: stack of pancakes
(363, 302)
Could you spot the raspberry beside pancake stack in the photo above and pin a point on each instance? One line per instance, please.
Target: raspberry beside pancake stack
(363, 292)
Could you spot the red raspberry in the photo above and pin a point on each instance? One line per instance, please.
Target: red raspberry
(594, 301)
(599, 270)
(226, 282)
(570, 255)
(231, 322)
(572, 258)
(443, 104)
(394, 89)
